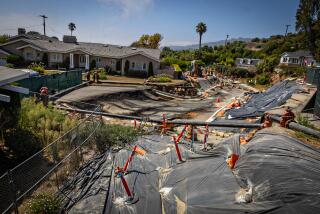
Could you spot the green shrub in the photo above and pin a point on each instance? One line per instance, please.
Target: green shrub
(108, 135)
(162, 78)
(22, 143)
(263, 79)
(255, 39)
(93, 64)
(304, 121)
(9, 65)
(102, 74)
(15, 60)
(150, 69)
(168, 61)
(39, 67)
(293, 71)
(45, 60)
(46, 123)
(176, 67)
(268, 64)
(44, 204)
(239, 72)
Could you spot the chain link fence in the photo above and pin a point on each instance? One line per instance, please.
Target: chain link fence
(47, 170)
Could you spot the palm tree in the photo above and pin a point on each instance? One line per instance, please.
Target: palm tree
(201, 28)
(72, 27)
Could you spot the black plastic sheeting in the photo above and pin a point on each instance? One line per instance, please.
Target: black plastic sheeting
(259, 103)
(274, 174)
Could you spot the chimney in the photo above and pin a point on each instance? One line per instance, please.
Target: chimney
(69, 39)
(21, 31)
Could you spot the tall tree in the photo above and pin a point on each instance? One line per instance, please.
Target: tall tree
(154, 40)
(4, 38)
(307, 16)
(72, 27)
(201, 28)
(148, 41)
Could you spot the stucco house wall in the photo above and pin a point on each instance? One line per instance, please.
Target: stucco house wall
(139, 61)
(104, 61)
(55, 58)
(30, 54)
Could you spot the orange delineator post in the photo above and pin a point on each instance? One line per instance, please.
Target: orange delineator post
(125, 185)
(177, 148)
(129, 158)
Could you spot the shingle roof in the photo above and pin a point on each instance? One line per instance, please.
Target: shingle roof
(97, 49)
(300, 53)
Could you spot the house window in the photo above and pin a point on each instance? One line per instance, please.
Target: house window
(133, 65)
(82, 58)
(284, 59)
(56, 57)
(144, 66)
(98, 59)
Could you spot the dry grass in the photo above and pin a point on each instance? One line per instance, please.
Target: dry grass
(308, 139)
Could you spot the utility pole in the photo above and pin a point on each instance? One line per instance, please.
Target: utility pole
(287, 27)
(44, 17)
(225, 43)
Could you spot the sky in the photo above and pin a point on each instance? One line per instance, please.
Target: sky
(124, 21)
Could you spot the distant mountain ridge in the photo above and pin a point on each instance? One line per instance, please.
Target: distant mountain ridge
(210, 44)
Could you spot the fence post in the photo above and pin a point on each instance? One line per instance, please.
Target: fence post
(13, 189)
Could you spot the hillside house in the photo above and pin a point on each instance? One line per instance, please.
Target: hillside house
(297, 58)
(247, 63)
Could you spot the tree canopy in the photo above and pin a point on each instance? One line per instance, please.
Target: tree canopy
(148, 41)
(4, 38)
(308, 22)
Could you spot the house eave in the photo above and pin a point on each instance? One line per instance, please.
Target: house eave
(30, 46)
(4, 52)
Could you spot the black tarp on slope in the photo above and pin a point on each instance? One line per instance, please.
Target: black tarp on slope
(274, 174)
(261, 102)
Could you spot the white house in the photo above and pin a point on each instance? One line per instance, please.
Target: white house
(297, 58)
(80, 54)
